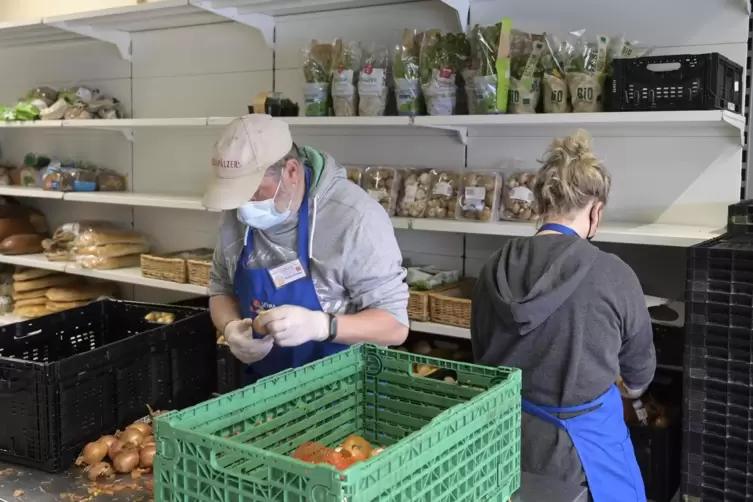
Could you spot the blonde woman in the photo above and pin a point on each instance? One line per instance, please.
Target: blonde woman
(574, 319)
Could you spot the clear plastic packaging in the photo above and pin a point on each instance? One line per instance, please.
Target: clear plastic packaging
(405, 74)
(355, 174)
(587, 72)
(556, 57)
(87, 234)
(99, 263)
(426, 278)
(517, 198)
(346, 64)
(443, 196)
(372, 82)
(525, 72)
(317, 61)
(382, 183)
(414, 193)
(69, 179)
(439, 64)
(480, 196)
(29, 177)
(110, 181)
(112, 250)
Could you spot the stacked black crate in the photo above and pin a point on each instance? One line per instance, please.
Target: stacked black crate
(718, 366)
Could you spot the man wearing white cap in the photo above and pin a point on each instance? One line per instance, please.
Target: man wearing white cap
(303, 245)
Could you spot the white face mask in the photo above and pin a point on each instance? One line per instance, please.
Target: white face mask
(263, 214)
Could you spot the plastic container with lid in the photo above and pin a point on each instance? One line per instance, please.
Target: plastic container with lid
(381, 183)
(480, 196)
(443, 196)
(518, 202)
(414, 193)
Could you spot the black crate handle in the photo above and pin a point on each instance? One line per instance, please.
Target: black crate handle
(20, 335)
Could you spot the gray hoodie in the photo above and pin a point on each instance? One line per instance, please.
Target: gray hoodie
(355, 259)
(573, 318)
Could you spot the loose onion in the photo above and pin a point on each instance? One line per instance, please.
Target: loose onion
(126, 461)
(132, 436)
(107, 440)
(357, 446)
(144, 429)
(117, 447)
(99, 470)
(147, 441)
(94, 453)
(259, 328)
(147, 455)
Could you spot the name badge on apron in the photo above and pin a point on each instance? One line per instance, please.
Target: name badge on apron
(287, 273)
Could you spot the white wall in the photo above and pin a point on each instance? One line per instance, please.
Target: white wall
(215, 70)
(11, 10)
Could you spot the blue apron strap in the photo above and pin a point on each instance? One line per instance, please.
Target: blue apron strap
(546, 412)
(303, 227)
(556, 227)
(539, 412)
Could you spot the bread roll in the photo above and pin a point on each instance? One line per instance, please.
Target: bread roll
(45, 282)
(112, 250)
(104, 237)
(61, 306)
(22, 244)
(30, 301)
(14, 226)
(80, 293)
(25, 274)
(68, 231)
(31, 311)
(34, 293)
(97, 263)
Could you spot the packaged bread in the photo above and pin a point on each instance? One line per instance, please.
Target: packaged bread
(381, 183)
(110, 181)
(480, 196)
(45, 282)
(27, 273)
(27, 295)
(61, 306)
(81, 292)
(91, 237)
(98, 263)
(414, 195)
(444, 194)
(31, 312)
(40, 300)
(22, 244)
(518, 202)
(68, 231)
(112, 250)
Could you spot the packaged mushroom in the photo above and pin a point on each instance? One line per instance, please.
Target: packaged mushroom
(443, 196)
(414, 196)
(354, 174)
(517, 200)
(480, 196)
(381, 183)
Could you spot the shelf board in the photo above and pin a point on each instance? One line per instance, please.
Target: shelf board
(37, 193)
(655, 234)
(137, 199)
(440, 329)
(386, 121)
(124, 275)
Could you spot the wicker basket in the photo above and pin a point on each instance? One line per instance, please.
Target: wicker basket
(452, 306)
(198, 270)
(166, 268)
(418, 303)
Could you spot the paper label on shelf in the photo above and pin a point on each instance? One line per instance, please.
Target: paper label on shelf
(410, 194)
(443, 188)
(521, 193)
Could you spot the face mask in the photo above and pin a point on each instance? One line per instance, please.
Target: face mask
(263, 214)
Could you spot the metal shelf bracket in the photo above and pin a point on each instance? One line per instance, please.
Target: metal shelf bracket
(120, 39)
(463, 9)
(262, 22)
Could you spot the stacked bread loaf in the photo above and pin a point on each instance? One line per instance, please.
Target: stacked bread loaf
(38, 292)
(22, 230)
(96, 245)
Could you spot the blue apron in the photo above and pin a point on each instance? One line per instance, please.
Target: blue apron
(256, 291)
(600, 437)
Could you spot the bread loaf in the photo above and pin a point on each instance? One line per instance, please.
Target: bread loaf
(104, 237)
(68, 231)
(81, 292)
(112, 250)
(30, 301)
(34, 293)
(22, 244)
(60, 306)
(45, 282)
(31, 311)
(33, 216)
(25, 274)
(97, 263)
(15, 225)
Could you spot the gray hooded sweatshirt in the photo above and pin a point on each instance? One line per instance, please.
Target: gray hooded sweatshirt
(355, 259)
(573, 318)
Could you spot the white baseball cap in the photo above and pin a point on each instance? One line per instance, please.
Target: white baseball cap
(248, 146)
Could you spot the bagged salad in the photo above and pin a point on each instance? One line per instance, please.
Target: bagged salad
(405, 74)
(587, 72)
(439, 62)
(622, 48)
(372, 82)
(525, 72)
(317, 61)
(490, 51)
(426, 278)
(556, 57)
(346, 64)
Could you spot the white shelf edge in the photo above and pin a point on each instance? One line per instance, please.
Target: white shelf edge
(32, 192)
(122, 275)
(136, 199)
(440, 329)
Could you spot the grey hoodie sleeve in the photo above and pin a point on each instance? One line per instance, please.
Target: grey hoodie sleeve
(374, 275)
(219, 279)
(637, 355)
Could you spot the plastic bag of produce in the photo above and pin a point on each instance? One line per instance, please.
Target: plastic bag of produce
(439, 63)
(622, 48)
(317, 61)
(484, 41)
(346, 63)
(554, 60)
(480, 196)
(406, 75)
(414, 196)
(586, 73)
(372, 82)
(426, 278)
(525, 72)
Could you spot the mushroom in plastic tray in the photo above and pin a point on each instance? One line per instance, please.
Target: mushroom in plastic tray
(381, 183)
(444, 194)
(518, 201)
(415, 194)
(160, 317)
(480, 196)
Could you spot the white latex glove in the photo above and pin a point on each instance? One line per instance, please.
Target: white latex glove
(243, 345)
(291, 326)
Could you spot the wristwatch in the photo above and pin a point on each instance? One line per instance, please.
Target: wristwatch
(332, 328)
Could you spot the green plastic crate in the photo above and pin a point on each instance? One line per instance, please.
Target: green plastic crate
(445, 442)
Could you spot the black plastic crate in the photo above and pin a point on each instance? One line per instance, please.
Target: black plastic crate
(658, 452)
(737, 424)
(68, 378)
(680, 82)
(723, 253)
(717, 369)
(669, 342)
(717, 465)
(740, 218)
(720, 342)
(229, 370)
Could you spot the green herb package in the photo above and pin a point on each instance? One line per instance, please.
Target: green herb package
(317, 60)
(490, 45)
(346, 63)
(372, 82)
(556, 57)
(525, 72)
(586, 73)
(439, 62)
(405, 75)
